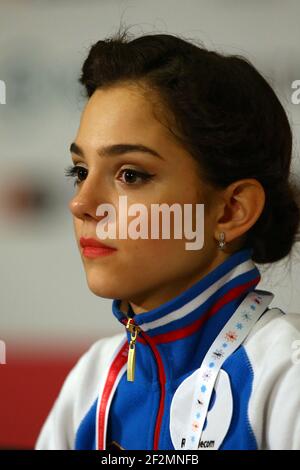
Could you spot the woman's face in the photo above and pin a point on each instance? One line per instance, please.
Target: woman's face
(146, 272)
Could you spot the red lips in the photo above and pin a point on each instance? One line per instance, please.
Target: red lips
(87, 242)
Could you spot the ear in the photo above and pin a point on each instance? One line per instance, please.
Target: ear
(242, 203)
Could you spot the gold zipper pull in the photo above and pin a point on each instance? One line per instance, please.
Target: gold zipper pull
(134, 330)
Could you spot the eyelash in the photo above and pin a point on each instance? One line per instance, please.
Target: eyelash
(73, 172)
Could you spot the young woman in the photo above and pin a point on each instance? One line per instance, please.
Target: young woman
(203, 362)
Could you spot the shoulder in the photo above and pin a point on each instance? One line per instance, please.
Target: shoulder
(92, 362)
(83, 379)
(273, 350)
(275, 330)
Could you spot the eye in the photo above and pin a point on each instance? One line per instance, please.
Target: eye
(79, 171)
(131, 175)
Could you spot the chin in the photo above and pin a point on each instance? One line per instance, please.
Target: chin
(101, 286)
(101, 290)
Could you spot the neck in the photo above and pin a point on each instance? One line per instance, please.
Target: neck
(152, 299)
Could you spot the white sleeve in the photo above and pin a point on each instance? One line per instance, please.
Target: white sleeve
(283, 430)
(274, 405)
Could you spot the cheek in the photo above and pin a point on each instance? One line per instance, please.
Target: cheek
(77, 224)
(158, 256)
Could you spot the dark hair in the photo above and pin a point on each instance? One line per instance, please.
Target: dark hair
(227, 116)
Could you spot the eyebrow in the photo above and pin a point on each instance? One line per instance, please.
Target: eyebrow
(116, 150)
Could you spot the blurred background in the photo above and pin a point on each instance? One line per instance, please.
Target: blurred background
(48, 316)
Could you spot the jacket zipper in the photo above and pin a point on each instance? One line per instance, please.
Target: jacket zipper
(135, 330)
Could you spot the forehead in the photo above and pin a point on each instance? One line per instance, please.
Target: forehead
(122, 114)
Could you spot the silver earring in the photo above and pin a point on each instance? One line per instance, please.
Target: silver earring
(222, 241)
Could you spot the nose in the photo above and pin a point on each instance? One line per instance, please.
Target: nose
(84, 204)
